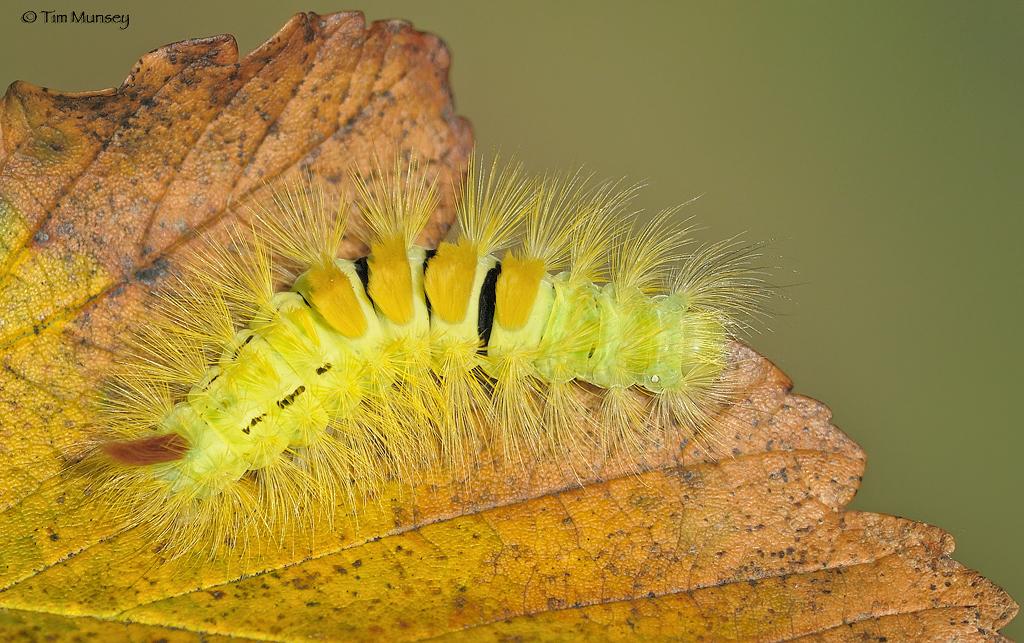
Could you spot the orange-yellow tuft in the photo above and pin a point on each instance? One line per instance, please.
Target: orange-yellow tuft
(330, 291)
(516, 290)
(449, 280)
(390, 284)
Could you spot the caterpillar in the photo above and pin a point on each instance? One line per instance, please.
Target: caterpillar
(275, 379)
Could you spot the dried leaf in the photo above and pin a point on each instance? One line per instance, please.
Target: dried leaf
(101, 192)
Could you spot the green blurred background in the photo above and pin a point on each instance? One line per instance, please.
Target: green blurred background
(879, 146)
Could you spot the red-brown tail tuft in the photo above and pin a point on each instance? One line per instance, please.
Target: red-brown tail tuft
(154, 450)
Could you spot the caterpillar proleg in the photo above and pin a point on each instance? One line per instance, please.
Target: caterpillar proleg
(275, 377)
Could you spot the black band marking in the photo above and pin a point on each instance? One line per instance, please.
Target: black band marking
(363, 270)
(485, 316)
(287, 401)
(238, 350)
(426, 263)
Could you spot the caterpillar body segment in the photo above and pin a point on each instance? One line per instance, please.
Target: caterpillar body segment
(255, 407)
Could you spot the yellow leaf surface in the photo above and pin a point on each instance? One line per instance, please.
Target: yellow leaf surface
(100, 194)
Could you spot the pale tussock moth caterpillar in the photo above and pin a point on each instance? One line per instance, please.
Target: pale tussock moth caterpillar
(275, 378)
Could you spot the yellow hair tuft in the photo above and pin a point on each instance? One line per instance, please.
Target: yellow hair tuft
(492, 204)
(449, 280)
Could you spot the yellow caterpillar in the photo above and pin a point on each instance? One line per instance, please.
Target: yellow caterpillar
(246, 403)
